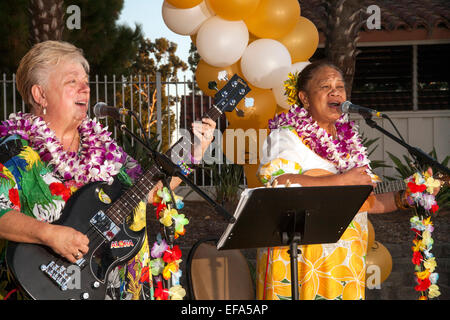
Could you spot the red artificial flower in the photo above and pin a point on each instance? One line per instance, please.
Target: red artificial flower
(161, 293)
(160, 207)
(417, 258)
(172, 254)
(414, 188)
(14, 198)
(434, 208)
(59, 189)
(423, 284)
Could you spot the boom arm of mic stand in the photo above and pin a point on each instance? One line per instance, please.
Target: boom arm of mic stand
(420, 156)
(170, 169)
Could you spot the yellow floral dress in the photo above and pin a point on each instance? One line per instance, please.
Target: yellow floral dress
(325, 271)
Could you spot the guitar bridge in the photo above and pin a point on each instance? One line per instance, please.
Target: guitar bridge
(104, 225)
(59, 273)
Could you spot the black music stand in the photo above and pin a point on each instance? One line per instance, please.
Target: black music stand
(272, 217)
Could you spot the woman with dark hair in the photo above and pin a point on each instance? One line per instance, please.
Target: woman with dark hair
(315, 136)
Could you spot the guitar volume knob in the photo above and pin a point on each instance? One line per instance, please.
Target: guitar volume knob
(84, 296)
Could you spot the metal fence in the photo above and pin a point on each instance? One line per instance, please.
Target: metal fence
(176, 108)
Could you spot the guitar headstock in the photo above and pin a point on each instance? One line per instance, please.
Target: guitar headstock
(227, 98)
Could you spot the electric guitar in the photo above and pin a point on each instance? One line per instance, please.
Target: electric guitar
(102, 212)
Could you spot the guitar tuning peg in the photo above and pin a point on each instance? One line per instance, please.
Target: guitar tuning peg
(239, 112)
(222, 75)
(212, 85)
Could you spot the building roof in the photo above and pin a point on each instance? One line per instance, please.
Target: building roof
(395, 14)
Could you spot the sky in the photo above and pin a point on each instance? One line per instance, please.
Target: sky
(148, 14)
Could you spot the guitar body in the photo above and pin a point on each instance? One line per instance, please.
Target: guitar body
(322, 172)
(87, 278)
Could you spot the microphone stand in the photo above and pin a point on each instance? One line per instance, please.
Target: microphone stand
(420, 156)
(169, 169)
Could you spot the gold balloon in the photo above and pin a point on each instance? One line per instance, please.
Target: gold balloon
(379, 256)
(206, 73)
(370, 235)
(273, 18)
(258, 115)
(302, 41)
(250, 171)
(233, 9)
(184, 4)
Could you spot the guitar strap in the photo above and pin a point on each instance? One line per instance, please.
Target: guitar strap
(10, 146)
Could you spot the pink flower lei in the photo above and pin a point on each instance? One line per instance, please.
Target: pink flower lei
(99, 157)
(345, 152)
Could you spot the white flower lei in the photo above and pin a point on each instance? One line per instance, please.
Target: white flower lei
(98, 159)
(345, 152)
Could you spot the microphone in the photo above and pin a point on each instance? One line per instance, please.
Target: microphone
(102, 110)
(348, 107)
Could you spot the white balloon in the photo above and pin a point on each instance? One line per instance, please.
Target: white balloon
(262, 59)
(185, 21)
(221, 42)
(280, 77)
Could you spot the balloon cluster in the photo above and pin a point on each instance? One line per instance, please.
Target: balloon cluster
(260, 40)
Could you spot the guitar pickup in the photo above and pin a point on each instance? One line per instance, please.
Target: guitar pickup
(104, 225)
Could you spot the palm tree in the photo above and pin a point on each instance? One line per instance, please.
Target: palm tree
(47, 20)
(344, 21)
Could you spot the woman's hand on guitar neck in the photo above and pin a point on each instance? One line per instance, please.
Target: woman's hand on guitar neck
(204, 132)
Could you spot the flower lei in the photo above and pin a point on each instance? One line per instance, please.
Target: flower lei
(345, 152)
(99, 158)
(420, 193)
(166, 258)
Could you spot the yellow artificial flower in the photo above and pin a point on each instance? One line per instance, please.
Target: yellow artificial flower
(427, 221)
(432, 183)
(423, 275)
(166, 217)
(169, 269)
(418, 245)
(433, 291)
(177, 292)
(430, 264)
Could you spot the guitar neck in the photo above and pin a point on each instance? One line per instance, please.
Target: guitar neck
(120, 209)
(225, 100)
(389, 186)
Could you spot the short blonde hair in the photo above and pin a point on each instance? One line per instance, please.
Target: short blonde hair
(36, 65)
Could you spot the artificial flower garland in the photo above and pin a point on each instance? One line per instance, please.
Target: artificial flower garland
(166, 258)
(419, 193)
(99, 158)
(345, 152)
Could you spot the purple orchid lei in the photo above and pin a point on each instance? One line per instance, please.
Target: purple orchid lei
(345, 152)
(98, 159)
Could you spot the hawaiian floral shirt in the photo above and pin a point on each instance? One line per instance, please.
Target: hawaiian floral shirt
(29, 185)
